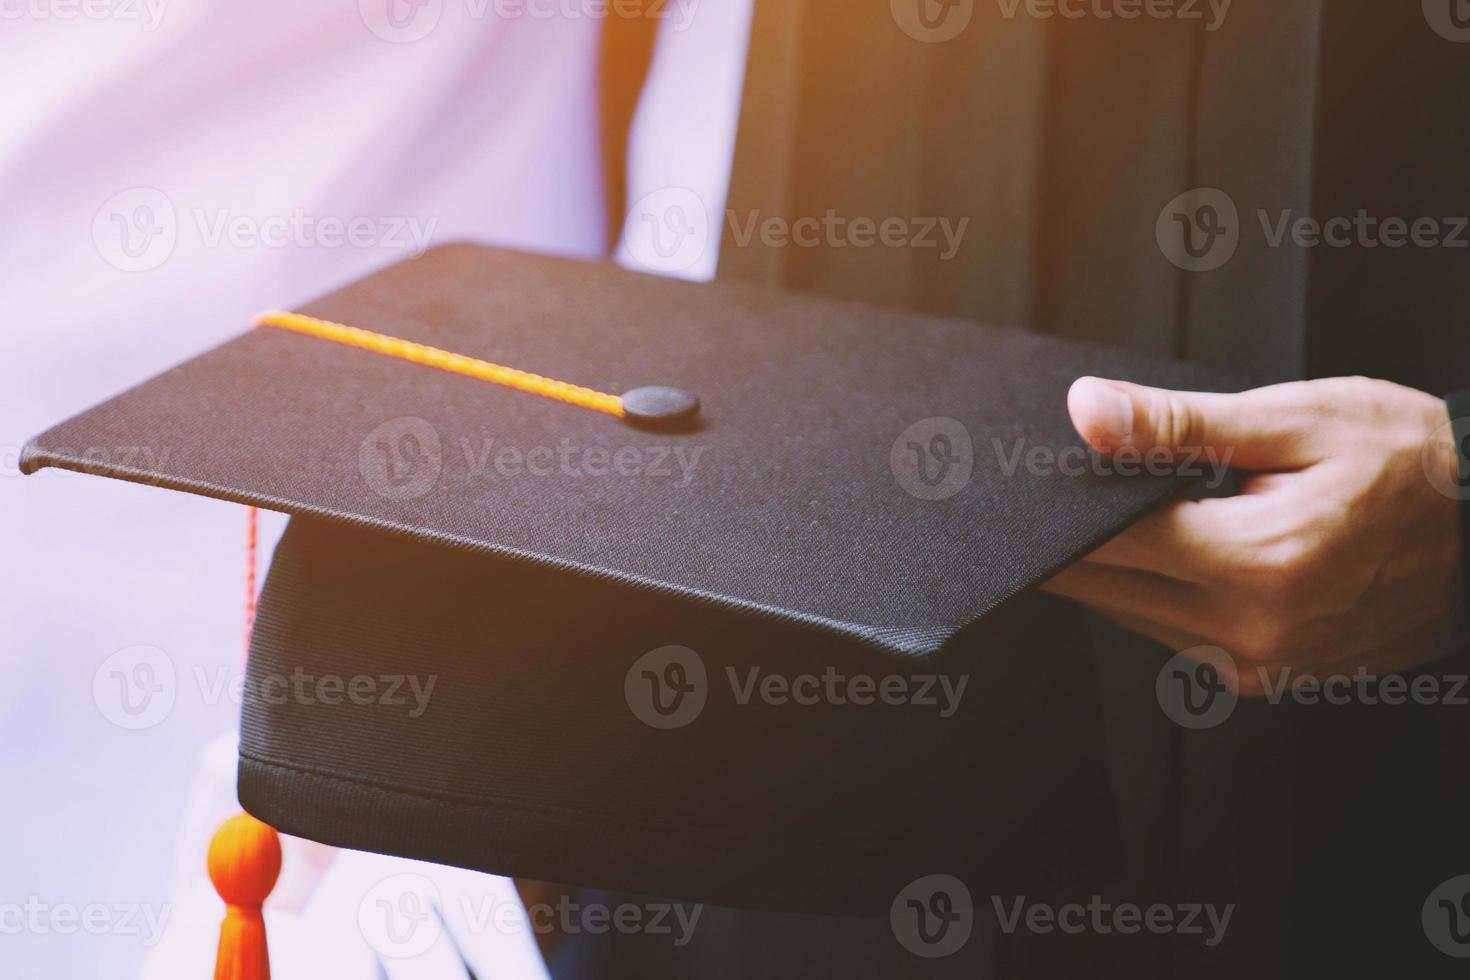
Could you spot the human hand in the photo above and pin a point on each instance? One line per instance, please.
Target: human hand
(1338, 553)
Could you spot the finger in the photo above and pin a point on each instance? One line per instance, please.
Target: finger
(1265, 429)
(1190, 541)
(1141, 596)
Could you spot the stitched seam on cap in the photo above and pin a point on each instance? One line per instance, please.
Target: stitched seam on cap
(541, 809)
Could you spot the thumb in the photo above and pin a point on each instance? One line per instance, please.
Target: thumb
(1265, 429)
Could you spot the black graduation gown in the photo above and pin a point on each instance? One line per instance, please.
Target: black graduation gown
(1062, 141)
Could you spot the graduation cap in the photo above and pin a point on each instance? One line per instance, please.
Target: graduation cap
(712, 592)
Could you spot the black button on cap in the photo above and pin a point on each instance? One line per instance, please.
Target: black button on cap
(657, 406)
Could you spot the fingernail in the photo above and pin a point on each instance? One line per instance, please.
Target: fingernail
(1112, 411)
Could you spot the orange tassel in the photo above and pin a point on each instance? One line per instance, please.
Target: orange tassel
(244, 862)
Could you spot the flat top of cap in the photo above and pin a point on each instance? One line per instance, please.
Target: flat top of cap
(874, 473)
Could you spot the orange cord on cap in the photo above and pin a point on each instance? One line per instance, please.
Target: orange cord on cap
(245, 854)
(252, 547)
(444, 360)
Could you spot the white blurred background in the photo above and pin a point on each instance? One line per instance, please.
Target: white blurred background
(168, 168)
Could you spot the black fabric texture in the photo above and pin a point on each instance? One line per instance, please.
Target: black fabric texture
(791, 508)
(528, 761)
(796, 546)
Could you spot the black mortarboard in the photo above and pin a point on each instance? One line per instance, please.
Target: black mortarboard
(648, 645)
